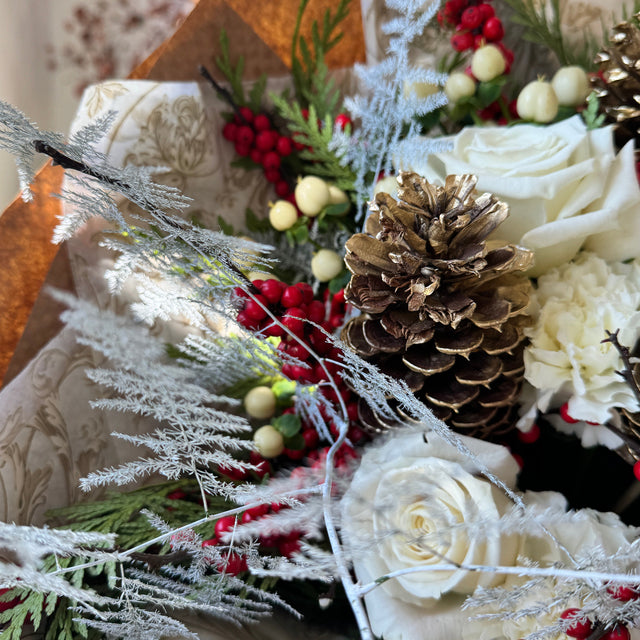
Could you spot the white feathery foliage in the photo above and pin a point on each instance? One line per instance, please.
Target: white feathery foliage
(195, 436)
(385, 108)
(23, 549)
(309, 563)
(17, 136)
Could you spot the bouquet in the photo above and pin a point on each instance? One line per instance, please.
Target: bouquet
(400, 398)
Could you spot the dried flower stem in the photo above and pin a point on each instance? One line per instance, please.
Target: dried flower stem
(221, 91)
(550, 572)
(625, 354)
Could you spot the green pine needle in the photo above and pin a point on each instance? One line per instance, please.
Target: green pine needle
(547, 31)
(308, 66)
(317, 136)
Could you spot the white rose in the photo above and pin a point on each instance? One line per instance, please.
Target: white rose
(585, 531)
(401, 511)
(565, 187)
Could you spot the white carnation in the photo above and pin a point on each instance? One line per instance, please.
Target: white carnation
(574, 305)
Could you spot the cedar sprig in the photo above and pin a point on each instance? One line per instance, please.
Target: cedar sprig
(311, 59)
(316, 137)
(547, 31)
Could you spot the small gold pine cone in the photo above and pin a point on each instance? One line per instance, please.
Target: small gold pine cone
(618, 83)
(442, 305)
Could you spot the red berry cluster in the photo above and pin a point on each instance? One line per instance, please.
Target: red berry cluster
(255, 137)
(475, 25)
(581, 627)
(285, 545)
(293, 306)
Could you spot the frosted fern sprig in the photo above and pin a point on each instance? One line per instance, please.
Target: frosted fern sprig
(383, 108)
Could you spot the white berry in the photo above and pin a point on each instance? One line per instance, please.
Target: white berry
(459, 85)
(268, 441)
(260, 403)
(571, 85)
(537, 102)
(337, 196)
(388, 184)
(326, 265)
(420, 90)
(282, 215)
(488, 63)
(312, 195)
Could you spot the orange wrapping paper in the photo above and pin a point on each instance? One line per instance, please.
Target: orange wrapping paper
(261, 33)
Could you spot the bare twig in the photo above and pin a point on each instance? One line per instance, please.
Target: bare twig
(625, 354)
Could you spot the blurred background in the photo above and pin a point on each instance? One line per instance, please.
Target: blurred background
(52, 49)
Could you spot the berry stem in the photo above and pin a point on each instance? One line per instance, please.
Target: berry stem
(223, 93)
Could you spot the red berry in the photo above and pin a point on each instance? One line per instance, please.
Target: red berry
(255, 512)
(233, 564)
(242, 149)
(178, 494)
(247, 322)
(619, 632)
(284, 146)
(272, 175)
(485, 9)
(471, 18)
(272, 290)
(564, 413)
(298, 351)
(247, 114)
(623, 593)
(342, 120)
(530, 436)
(282, 189)
(289, 546)
(211, 542)
(271, 161)
(581, 626)
(266, 140)
(316, 311)
(293, 320)
(311, 438)
(462, 41)
(636, 470)
(493, 29)
(356, 434)
(254, 310)
(479, 41)
(245, 135)
(224, 524)
(292, 297)
(230, 131)
(298, 146)
(519, 459)
(257, 283)
(305, 113)
(261, 122)
(294, 454)
(307, 291)
(256, 155)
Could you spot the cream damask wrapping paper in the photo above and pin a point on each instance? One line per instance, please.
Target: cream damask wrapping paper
(50, 437)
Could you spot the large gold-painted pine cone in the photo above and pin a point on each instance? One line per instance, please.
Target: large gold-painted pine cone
(442, 304)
